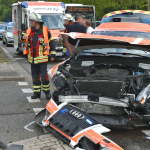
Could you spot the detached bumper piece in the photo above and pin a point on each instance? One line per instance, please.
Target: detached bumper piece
(75, 127)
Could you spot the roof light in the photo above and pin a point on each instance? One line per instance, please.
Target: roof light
(89, 121)
(25, 4)
(63, 5)
(9, 23)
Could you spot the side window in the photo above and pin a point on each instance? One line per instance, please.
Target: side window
(15, 15)
(26, 21)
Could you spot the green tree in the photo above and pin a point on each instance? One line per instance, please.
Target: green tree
(102, 6)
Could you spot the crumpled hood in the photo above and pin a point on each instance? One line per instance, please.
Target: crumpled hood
(78, 42)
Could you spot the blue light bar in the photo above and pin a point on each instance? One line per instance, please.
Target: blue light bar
(89, 121)
(63, 5)
(25, 4)
(9, 23)
(63, 111)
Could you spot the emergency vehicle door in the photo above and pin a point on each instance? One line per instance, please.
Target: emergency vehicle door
(16, 19)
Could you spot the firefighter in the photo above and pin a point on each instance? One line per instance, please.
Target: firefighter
(68, 20)
(38, 46)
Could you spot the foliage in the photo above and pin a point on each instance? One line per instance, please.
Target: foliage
(106, 6)
(2, 58)
(102, 6)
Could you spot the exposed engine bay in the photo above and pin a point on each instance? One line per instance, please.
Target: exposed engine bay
(110, 88)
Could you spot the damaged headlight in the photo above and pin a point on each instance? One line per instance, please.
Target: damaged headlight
(143, 95)
(47, 114)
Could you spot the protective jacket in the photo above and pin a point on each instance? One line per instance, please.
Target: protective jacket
(38, 45)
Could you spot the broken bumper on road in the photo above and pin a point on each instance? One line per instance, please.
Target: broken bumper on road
(75, 127)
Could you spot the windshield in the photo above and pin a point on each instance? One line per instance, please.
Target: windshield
(144, 35)
(9, 29)
(53, 21)
(2, 27)
(145, 18)
(115, 50)
(86, 15)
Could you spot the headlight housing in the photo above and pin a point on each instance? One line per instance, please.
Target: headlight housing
(143, 95)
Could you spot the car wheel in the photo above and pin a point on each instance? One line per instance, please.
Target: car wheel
(3, 41)
(7, 44)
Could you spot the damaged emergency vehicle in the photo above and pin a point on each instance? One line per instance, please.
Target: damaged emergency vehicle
(105, 81)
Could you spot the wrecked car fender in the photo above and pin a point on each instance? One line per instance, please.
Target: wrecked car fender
(53, 71)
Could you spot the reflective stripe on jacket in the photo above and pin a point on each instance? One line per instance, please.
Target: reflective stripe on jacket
(42, 48)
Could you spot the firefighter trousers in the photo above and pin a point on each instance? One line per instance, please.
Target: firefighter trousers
(39, 75)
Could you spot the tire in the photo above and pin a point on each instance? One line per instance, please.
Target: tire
(89, 145)
(7, 44)
(3, 41)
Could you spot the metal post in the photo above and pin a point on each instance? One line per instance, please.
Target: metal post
(148, 5)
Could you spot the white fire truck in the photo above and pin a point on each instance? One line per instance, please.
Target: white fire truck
(51, 13)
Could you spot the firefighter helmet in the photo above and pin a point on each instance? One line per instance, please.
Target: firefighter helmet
(67, 17)
(36, 17)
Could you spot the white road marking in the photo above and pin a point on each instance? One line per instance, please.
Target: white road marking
(138, 40)
(26, 127)
(27, 90)
(37, 110)
(33, 100)
(147, 132)
(22, 83)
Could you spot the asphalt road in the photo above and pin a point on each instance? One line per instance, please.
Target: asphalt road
(17, 112)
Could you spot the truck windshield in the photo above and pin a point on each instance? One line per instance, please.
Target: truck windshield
(53, 21)
(9, 29)
(86, 15)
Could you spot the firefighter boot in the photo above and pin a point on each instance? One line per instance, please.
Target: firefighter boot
(48, 96)
(35, 96)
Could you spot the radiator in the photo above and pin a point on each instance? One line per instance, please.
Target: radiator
(106, 88)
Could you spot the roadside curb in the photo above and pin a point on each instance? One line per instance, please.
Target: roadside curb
(15, 67)
(43, 142)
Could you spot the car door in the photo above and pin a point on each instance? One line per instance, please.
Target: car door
(4, 34)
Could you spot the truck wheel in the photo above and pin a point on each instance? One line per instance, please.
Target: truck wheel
(89, 145)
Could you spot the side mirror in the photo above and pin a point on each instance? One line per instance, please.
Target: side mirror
(23, 28)
(96, 16)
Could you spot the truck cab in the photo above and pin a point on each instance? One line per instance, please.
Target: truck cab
(51, 13)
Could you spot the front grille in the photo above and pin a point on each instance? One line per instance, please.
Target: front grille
(105, 88)
(69, 123)
(57, 44)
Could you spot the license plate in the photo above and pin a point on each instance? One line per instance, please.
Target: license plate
(59, 54)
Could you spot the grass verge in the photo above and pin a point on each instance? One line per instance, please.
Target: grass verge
(2, 57)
